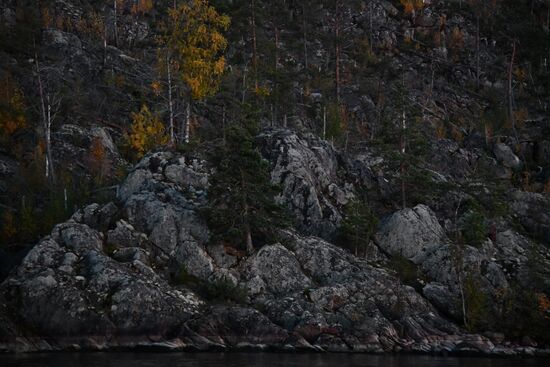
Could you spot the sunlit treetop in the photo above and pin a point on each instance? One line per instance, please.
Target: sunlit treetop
(197, 43)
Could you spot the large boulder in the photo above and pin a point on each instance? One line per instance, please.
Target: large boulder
(413, 233)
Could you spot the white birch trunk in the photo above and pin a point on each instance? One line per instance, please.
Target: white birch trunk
(188, 123)
(170, 102)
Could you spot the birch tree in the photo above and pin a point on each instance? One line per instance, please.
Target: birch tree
(49, 104)
(197, 43)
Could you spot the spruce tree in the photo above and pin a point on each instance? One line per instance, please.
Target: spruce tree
(358, 226)
(242, 206)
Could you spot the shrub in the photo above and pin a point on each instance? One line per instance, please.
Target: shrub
(406, 271)
(222, 291)
(478, 315)
(473, 228)
(146, 132)
(524, 313)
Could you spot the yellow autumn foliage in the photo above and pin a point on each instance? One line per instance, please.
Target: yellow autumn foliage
(156, 86)
(146, 132)
(197, 43)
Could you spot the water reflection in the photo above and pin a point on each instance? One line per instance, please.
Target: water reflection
(254, 360)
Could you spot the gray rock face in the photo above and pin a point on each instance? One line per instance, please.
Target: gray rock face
(72, 145)
(417, 235)
(306, 169)
(103, 280)
(533, 212)
(155, 204)
(413, 233)
(276, 268)
(67, 286)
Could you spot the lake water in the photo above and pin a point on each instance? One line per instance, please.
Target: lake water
(254, 360)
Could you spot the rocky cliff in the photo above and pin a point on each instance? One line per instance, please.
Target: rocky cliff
(433, 114)
(124, 274)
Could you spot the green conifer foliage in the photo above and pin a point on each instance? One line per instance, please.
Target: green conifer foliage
(242, 206)
(358, 226)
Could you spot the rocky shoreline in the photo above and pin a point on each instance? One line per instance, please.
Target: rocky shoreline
(90, 344)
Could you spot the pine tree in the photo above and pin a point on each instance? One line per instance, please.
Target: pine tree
(242, 205)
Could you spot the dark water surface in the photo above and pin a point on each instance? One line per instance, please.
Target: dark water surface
(254, 360)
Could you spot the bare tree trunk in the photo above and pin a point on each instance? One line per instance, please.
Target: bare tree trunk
(48, 134)
(249, 244)
(65, 200)
(337, 49)
(511, 92)
(245, 70)
(477, 52)
(276, 31)
(115, 22)
(254, 45)
(104, 44)
(170, 101)
(188, 122)
(371, 9)
(46, 110)
(248, 232)
(462, 297)
(403, 149)
(324, 122)
(305, 34)
(223, 124)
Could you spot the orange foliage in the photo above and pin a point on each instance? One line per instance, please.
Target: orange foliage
(410, 7)
(544, 305)
(91, 25)
(98, 160)
(457, 39)
(12, 107)
(47, 19)
(142, 7)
